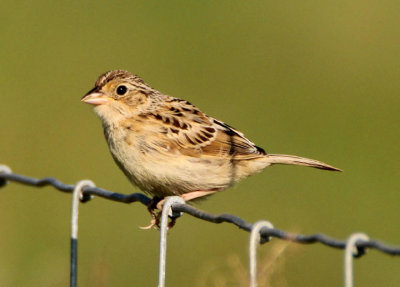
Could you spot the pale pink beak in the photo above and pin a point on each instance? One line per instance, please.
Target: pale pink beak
(96, 99)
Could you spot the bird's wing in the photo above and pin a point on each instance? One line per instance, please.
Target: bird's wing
(182, 126)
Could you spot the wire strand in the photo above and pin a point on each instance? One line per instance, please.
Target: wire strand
(200, 214)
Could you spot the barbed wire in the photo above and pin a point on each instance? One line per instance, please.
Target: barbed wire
(265, 233)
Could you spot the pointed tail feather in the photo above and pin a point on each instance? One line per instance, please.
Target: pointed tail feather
(296, 160)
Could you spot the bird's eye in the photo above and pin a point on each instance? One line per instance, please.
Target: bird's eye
(121, 90)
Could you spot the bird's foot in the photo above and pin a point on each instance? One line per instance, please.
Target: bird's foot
(173, 217)
(155, 213)
(155, 209)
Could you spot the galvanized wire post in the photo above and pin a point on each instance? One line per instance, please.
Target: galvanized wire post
(166, 211)
(76, 196)
(254, 241)
(351, 251)
(4, 169)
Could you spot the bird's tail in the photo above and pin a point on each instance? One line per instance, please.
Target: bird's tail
(296, 160)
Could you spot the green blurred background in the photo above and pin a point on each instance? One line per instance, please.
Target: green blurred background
(316, 78)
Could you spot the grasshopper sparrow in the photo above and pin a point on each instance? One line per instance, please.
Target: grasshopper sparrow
(166, 146)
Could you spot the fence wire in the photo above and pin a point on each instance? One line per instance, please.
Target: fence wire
(265, 233)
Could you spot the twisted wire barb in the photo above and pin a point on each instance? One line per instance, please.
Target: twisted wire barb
(239, 222)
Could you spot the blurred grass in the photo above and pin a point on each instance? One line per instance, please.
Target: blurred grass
(317, 79)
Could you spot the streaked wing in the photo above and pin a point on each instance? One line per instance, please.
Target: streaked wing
(182, 126)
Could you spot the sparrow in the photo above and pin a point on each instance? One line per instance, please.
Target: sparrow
(166, 146)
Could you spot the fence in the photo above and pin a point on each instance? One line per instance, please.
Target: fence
(261, 232)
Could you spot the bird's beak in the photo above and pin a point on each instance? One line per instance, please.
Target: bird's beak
(96, 98)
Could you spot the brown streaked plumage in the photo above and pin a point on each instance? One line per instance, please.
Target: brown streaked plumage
(166, 146)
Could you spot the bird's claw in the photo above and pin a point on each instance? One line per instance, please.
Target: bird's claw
(155, 209)
(153, 223)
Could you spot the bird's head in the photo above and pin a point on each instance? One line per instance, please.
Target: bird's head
(118, 93)
(117, 85)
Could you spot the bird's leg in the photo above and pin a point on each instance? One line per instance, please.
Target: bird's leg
(197, 194)
(154, 204)
(157, 203)
(186, 197)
